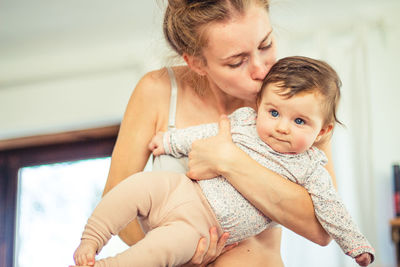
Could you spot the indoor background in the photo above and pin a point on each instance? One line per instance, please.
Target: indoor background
(72, 65)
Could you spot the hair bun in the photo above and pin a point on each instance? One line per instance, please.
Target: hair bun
(190, 3)
(201, 1)
(177, 3)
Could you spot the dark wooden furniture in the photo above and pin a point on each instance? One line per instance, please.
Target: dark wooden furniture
(395, 226)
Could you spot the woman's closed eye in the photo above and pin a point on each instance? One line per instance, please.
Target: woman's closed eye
(238, 63)
(265, 46)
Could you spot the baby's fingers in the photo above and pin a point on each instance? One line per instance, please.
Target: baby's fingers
(84, 259)
(152, 145)
(363, 259)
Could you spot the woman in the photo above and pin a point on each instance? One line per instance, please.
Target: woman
(229, 48)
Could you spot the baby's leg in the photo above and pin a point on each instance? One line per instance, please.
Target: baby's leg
(177, 225)
(174, 208)
(134, 196)
(171, 245)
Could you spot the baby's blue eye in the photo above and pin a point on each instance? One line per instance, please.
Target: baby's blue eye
(274, 113)
(299, 121)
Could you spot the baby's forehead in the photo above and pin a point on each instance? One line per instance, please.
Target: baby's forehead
(278, 90)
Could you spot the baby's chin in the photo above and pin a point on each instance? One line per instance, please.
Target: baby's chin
(280, 149)
(284, 149)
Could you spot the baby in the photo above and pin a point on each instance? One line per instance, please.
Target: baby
(296, 109)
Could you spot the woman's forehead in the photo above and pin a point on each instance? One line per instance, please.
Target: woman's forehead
(238, 35)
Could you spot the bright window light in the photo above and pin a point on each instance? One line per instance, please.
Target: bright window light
(53, 205)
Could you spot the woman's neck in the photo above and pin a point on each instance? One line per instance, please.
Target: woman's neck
(224, 103)
(211, 95)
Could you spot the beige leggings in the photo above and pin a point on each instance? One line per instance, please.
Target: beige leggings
(173, 209)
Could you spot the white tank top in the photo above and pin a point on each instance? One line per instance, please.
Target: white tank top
(167, 162)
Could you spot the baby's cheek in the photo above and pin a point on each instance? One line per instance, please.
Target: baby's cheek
(303, 142)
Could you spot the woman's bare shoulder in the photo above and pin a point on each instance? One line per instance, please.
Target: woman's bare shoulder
(153, 83)
(156, 84)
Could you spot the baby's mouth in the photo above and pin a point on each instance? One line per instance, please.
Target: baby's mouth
(280, 140)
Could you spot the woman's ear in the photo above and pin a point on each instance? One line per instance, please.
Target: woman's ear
(195, 63)
(324, 132)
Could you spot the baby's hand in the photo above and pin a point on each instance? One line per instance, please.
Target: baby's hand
(156, 144)
(363, 259)
(85, 253)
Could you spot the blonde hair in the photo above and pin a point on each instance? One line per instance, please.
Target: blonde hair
(186, 21)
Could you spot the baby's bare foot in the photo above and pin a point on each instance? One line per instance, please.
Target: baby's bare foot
(85, 253)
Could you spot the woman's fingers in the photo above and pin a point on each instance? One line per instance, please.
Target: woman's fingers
(204, 255)
(198, 256)
(221, 248)
(216, 246)
(224, 127)
(207, 155)
(212, 248)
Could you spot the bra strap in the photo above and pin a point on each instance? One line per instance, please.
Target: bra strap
(172, 101)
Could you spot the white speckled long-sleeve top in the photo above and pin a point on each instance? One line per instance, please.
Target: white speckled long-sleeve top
(241, 219)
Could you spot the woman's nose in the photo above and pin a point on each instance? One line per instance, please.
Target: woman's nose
(259, 70)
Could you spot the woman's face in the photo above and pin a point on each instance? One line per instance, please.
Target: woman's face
(239, 53)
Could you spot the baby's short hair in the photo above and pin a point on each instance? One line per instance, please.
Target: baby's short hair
(301, 74)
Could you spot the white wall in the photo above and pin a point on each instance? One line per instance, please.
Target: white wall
(68, 65)
(73, 65)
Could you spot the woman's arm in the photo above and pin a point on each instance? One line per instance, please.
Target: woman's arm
(140, 122)
(327, 148)
(280, 199)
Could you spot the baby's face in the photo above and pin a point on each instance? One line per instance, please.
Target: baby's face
(289, 125)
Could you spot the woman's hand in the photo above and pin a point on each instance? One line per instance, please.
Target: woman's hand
(204, 256)
(209, 156)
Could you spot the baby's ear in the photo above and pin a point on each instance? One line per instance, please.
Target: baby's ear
(324, 132)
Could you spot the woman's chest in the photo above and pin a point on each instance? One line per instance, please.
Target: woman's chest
(192, 111)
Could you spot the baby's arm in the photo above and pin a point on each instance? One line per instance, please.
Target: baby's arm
(178, 142)
(335, 219)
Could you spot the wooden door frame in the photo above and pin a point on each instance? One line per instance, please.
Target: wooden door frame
(38, 150)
